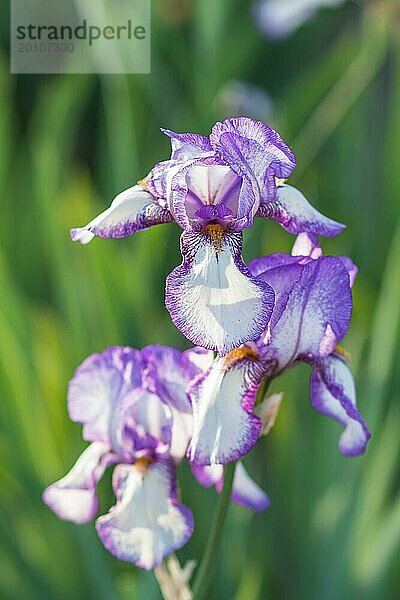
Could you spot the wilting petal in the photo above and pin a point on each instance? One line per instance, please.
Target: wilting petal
(255, 151)
(132, 210)
(296, 215)
(268, 410)
(244, 491)
(317, 312)
(212, 297)
(333, 394)
(97, 387)
(74, 497)
(147, 523)
(224, 426)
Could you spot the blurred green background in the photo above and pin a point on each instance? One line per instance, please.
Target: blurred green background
(68, 145)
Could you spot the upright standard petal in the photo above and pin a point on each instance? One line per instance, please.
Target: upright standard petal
(147, 523)
(97, 387)
(132, 210)
(291, 210)
(333, 394)
(316, 315)
(74, 497)
(224, 426)
(244, 490)
(212, 297)
(254, 150)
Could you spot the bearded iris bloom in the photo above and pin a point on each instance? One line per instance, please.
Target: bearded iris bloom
(213, 188)
(136, 415)
(311, 315)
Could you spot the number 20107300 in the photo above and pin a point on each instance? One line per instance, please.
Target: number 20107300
(45, 47)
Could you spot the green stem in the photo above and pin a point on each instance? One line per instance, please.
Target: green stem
(206, 569)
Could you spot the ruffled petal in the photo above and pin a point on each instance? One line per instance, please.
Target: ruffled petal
(333, 394)
(296, 215)
(132, 210)
(74, 497)
(224, 426)
(244, 490)
(316, 315)
(187, 145)
(255, 151)
(98, 386)
(212, 297)
(147, 523)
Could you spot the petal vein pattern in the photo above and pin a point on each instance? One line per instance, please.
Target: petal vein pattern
(212, 297)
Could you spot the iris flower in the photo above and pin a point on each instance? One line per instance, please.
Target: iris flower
(213, 187)
(311, 315)
(136, 414)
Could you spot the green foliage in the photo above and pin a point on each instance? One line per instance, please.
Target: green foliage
(68, 145)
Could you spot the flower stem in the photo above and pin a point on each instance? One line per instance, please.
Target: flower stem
(206, 569)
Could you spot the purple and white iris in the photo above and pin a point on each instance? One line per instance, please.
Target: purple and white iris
(136, 414)
(311, 315)
(213, 188)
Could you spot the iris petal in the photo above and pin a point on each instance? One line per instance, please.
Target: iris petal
(147, 523)
(212, 297)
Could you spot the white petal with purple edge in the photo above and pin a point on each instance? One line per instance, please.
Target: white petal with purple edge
(74, 497)
(224, 427)
(333, 394)
(212, 297)
(296, 215)
(132, 210)
(147, 523)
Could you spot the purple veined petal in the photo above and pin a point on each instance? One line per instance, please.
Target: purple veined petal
(281, 272)
(245, 491)
(143, 426)
(187, 145)
(316, 315)
(230, 139)
(212, 297)
(74, 498)
(147, 522)
(97, 387)
(224, 426)
(132, 210)
(291, 210)
(257, 153)
(199, 184)
(333, 394)
(168, 373)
